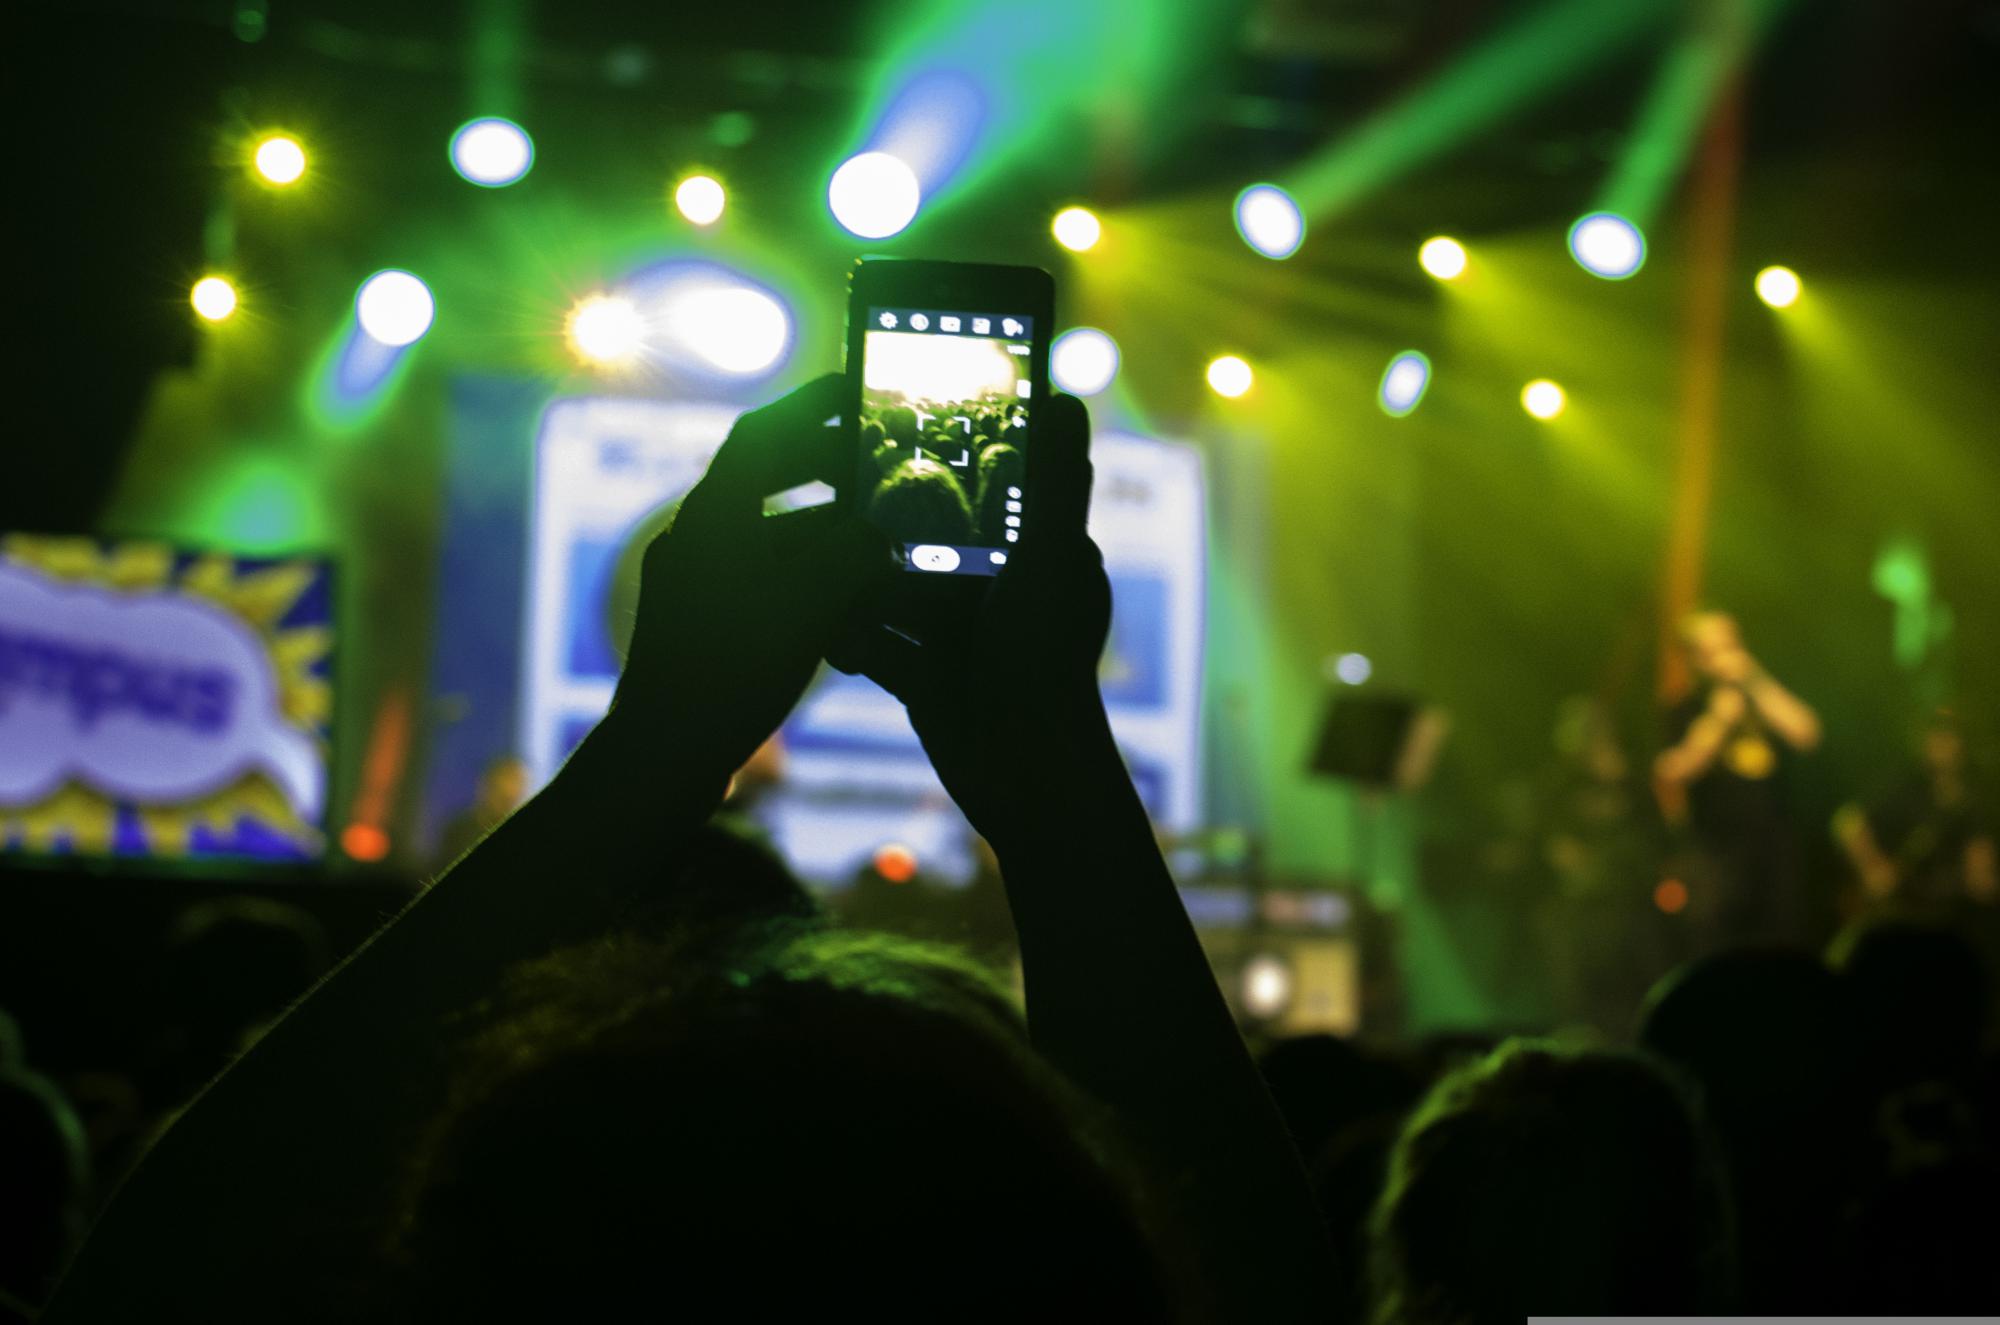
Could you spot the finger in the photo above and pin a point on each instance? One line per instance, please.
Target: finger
(1059, 473)
(768, 450)
(895, 662)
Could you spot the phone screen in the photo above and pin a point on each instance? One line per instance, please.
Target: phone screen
(945, 395)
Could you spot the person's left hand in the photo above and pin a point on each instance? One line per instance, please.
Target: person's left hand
(736, 609)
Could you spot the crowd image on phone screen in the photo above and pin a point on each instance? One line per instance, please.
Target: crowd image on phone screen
(943, 428)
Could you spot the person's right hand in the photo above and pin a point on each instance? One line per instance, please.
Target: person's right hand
(735, 609)
(1008, 701)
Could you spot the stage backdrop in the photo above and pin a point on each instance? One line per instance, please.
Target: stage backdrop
(547, 536)
(161, 703)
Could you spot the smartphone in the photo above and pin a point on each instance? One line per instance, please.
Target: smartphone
(946, 363)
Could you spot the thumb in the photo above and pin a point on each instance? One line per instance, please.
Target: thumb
(1059, 473)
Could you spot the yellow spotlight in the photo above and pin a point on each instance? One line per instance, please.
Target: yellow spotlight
(1077, 229)
(1543, 398)
(605, 329)
(1443, 257)
(700, 199)
(1778, 286)
(1229, 376)
(280, 160)
(213, 297)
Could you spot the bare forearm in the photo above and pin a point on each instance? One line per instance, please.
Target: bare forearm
(1121, 998)
(1785, 713)
(1685, 762)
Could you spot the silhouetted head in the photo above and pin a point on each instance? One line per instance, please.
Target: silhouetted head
(233, 963)
(1763, 1031)
(1919, 998)
(802, 1122)
(1001, 466)
(44, 1179)
(1552, 1182)
(900, 422)
(920, 501)
(1765, 1037)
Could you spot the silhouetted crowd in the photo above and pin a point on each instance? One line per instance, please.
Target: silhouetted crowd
(617, 1064)
(946, 471)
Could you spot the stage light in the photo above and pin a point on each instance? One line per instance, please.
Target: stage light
(213, 297)
(1229, 376)
(1083, 361)
(1443, 257)
(734, 328)
(606, 330)
(700, 199)
(280, 160)
(1543, 398)
(895, 862)
(1671, 896)
(364, 842)
(873, 195)
(1266, 986)
(1778, 286)
(1270, 221)
(1404, 382)
(1606, 244)
(1077, 229)
(1353, 668)
(491, 152)
(394, 308)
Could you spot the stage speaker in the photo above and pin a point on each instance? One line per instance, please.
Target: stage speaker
(1383, 741)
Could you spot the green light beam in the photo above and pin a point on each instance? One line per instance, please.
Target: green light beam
(1670, 122)
(1513, 68)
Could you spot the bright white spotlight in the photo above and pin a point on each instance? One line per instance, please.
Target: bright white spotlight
(1083, 361)
(280, 160)
(1606, 244)
(735, 329)
(394, 308)
(1543, 398)
(1229, 376)
(213, 297)
(1443, 257)
(606, 329)
(1270, 221)
(1778, 286)
(1267, 986)
(1353, 668)
(1404, 382)
(701, 199)
(874, 195)
(1077, 229)
(491, 152)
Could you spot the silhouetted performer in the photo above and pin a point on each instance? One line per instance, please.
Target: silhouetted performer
(1735, 739)
(503, 785)
(1926, 844)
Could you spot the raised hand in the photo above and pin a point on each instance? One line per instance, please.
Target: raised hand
(736, 608)
(1008, 697)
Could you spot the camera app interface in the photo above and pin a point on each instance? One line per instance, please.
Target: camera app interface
(944, 427)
